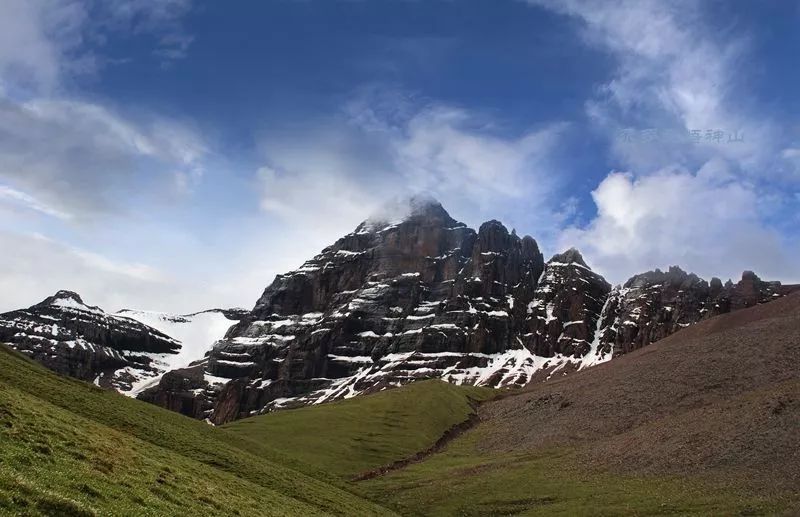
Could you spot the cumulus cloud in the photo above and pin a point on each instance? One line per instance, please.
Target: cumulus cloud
(696, 203)
(708, 225)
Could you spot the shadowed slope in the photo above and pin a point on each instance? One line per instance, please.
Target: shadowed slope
(721, 396)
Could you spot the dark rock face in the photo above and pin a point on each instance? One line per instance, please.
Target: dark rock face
(184, 391)
(394, 302)
(75, 339)
(653, 305)
(566, 307)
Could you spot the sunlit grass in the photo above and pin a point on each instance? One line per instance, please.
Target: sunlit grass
(69, 448)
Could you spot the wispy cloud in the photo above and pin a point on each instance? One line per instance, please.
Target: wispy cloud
(380, 151)
(44, 41)
(91, 153)
(694, 203)
(71, 267)
(15, 196)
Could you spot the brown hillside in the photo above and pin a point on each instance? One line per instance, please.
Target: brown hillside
(720, 398)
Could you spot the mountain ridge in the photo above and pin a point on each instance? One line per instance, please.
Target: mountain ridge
(401, 298)
(395, 301)
(122, 350)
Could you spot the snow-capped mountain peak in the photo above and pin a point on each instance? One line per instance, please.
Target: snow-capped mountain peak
(126, 351)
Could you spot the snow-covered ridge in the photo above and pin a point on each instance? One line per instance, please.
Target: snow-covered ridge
(125, 351)
(71, 303)
(197, 333)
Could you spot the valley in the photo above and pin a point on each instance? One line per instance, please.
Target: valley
(693, 425)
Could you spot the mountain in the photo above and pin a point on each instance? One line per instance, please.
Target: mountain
(713, 386)
(82, 341)
(424, 296)
(703, 422)
(125, 351)
(653, 305)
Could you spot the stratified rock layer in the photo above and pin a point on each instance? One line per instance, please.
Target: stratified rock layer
(82, 341)
(427, 297)
(653, 305)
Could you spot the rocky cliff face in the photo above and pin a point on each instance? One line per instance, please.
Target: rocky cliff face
(72, 338)
(653, 305)
(427, 297)
(566, 307)
(384, 305)
(127, 351)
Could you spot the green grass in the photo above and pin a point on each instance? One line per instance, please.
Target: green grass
(462, 480)
(70, 448)
(355, 435)
(359, 434)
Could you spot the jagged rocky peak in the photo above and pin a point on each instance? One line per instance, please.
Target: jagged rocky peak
(70, 299)
(674, 276)
(571, 256)
(398, 299)
(494, 237)
(566, 307)
(419, 210)
(655, 304)
(73, 338)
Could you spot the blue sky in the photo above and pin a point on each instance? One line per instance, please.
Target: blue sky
(175, 155)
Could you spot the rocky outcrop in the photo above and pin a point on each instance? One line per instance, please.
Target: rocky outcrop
(185, 390)
(566, 307)
(653, 305)
(82, 341)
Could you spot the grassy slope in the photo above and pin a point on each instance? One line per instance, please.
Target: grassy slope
(351, 436)
(463, 480)
(69, 448)
(355, 435)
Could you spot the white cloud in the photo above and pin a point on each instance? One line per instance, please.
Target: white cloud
(700, 205)
(35, 38)
(78, 157)
(336, 174)
(675, 73)
(700, 222)
(163, 18)
(76, 161)
(39, 266)
(42, 41)
(20, 198)
(68, 156)
(440, 151)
